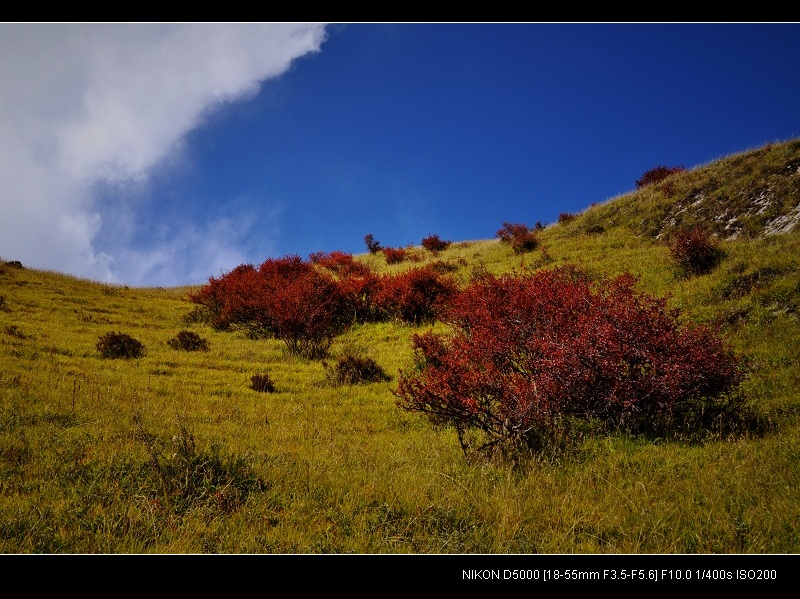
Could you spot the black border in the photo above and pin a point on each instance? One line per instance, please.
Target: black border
(270, 573)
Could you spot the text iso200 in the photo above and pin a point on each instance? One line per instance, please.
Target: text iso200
(756, 574)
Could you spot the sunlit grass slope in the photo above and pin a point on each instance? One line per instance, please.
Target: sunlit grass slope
(174, 452)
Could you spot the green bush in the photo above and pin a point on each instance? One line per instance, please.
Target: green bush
(199, 315)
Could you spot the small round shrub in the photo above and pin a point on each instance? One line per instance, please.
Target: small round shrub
(188, 341)
(695, 251)
(119, 345)
(434, 244)
(354, 370)
(521, 237)
(262, 383)
(566, 217)
(394, 255)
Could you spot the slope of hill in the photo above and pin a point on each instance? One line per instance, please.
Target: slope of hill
(176, 452)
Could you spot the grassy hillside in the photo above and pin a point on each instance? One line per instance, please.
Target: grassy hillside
(174, 452)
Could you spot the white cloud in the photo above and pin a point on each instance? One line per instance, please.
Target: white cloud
(187, 253)
(89, 104)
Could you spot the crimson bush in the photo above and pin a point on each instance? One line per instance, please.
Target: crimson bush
(236, 297)
(339, 263)
(308, 313)
(306, 304)
(695, 250)
(356, 283)
(434, 244)
(534, 358)
(285, 297)
(394, 255)
(358, 292)
(414, 296)
(519, 236)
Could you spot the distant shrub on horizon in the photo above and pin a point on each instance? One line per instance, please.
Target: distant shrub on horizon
(373, 245)
(519, 236)
(434, 244)
(565, 217)
(657, 174)
(394, 255)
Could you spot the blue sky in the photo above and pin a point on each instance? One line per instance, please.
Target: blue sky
(162, 154)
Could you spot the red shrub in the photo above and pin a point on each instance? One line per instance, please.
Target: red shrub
(415, 296)
(394, 255)
(657, 174)
(533, 353)
(695, 250)
(521, 237)
(277, 271)
(358, 293)
(284, 297)
(237, 297)
(307, 313)
(340, 263)
(434, 244)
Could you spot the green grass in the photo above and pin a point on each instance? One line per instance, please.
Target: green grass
(174, 452)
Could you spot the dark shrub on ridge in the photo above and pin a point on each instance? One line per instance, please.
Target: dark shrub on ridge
(519, 236)
(657, 174)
